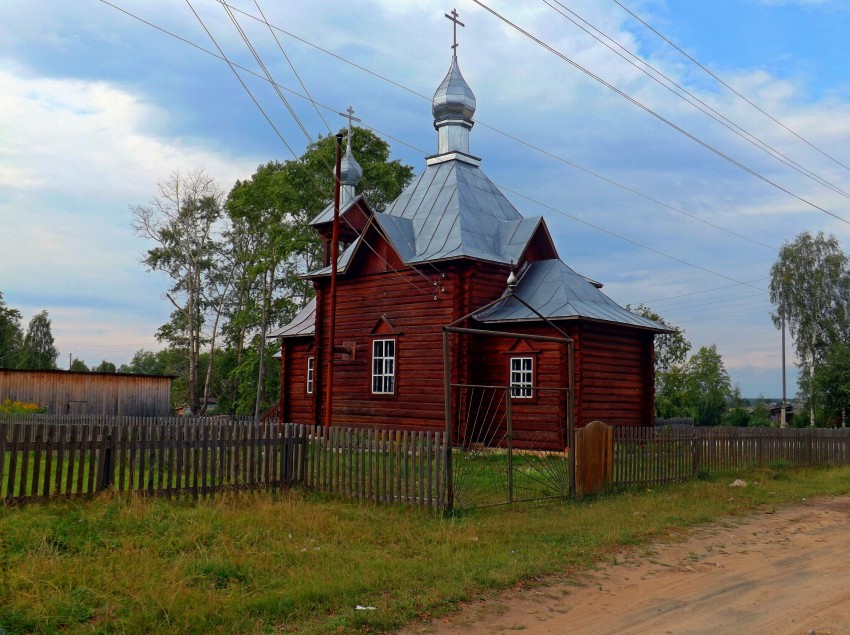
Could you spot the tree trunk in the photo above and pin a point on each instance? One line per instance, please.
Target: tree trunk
(264, 320)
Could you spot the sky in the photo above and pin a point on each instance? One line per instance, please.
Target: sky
(641, 190)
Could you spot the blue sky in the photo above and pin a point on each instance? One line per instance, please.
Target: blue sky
(97, 107)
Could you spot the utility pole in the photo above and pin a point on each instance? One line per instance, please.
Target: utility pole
(782, 422)
(332, 299)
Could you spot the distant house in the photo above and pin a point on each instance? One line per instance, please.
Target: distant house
(65, 392)
(441, 251)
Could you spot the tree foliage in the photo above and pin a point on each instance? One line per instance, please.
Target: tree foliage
(236, 265)
(671, 349)
(182, 222)
(38, 351)
(11, 336)
(700, 388)
(810, 288)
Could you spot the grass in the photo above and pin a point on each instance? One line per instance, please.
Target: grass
(300, 563)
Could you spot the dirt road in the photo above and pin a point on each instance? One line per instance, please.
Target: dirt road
(786, 572)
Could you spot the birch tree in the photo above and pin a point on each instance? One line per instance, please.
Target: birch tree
(183, 221)
(809, 288)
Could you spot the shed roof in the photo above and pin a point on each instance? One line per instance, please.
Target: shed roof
(558, 292)
(302, 325)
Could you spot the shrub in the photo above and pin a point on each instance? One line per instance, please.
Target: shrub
(19, 407)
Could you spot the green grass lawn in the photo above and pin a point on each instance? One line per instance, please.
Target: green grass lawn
(300, 563)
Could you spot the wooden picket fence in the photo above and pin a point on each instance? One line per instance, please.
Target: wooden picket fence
(384, 466)
(42, 456)
(645, 455)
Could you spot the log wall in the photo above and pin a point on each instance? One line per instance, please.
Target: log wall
(82, 393)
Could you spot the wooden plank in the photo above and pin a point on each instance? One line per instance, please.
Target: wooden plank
(195, 459)
(49, 431)
(4, 430)
(12, 449)
(26, 447)
(420, 450)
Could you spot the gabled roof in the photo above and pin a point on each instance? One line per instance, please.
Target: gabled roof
(558, 292)
(452, 210)
(327, 214)
(302, 325)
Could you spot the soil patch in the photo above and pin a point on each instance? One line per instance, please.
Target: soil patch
(782, 572)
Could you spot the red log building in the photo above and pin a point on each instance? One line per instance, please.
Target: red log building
(441, 251)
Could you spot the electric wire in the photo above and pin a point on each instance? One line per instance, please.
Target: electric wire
(292, 112)
(558, 211)
(723, 83)
(510, 136)
(292, 66)
(658, 116)
(690, 293)
(405, 88)
(688, 96)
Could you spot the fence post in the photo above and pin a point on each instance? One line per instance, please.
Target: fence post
(106, 476)
(447, 389)
(697, 451)
(510, 445)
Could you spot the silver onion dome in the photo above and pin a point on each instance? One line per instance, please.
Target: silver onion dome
(350, 171)
(454, 98)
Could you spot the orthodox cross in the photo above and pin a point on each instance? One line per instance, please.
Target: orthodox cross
(453, 18)
(349, 114)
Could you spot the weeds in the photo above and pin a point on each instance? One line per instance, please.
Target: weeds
(297, 562)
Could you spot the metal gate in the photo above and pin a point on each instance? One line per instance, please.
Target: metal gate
(498, 457)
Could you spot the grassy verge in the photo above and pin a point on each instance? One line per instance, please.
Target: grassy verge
(298, 563)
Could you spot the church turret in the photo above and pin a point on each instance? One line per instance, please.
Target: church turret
(350, 171)
(453, 106)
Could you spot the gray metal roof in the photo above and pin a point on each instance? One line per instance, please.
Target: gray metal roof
(301, 325)
(327, 214)
(558, 292)
(452, 211)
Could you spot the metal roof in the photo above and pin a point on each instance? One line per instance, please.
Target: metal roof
(558, 292)
(454, 211)
(327, 214)
(301, 325)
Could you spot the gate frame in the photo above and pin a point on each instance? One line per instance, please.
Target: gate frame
(447, 383)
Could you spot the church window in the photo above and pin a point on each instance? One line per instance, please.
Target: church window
(522, 377)
(383, 367)
(311, 361)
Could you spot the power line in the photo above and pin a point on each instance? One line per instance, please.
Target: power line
(405, 88)
(505, 134)
(295, 116)
(688, 96)
(628, 240)
(556, 210)
(683, 295)
(658, 116)
(766, 114)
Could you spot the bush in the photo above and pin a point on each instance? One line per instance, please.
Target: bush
(19, 407)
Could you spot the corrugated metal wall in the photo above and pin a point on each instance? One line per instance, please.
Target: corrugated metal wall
(65, 392)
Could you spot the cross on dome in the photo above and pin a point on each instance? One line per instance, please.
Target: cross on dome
(453, 17)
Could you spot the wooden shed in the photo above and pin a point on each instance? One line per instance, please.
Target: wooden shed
(441, 251)
(86, 393)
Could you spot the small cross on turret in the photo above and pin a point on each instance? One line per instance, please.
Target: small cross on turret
(453, 17)
(349, 114)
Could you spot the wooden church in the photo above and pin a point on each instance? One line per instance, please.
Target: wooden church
(441, 254)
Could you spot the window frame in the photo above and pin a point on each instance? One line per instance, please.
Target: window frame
(383, 375)
(310, 375)
(523, 385)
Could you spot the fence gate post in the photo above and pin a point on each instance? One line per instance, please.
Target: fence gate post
(594, 450)
(510, 445)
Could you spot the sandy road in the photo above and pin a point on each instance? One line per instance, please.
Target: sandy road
(786, 572)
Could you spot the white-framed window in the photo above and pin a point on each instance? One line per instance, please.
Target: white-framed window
(522, 377)
(311, 369)
(383, 367)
